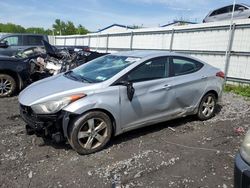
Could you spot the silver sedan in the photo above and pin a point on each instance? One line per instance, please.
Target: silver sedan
(117, 93)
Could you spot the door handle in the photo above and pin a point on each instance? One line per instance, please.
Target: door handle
(166, 86)
(204, 77)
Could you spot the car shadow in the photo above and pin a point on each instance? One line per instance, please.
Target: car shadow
(137, 132)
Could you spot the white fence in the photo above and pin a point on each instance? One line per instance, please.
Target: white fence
(208, 42)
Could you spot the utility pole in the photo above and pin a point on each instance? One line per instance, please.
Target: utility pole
(228, 51)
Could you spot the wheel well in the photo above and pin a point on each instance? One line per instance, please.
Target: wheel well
(214, 92)
(14, 75)
(110, 116)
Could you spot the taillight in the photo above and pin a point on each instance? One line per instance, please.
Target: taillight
(220, 74)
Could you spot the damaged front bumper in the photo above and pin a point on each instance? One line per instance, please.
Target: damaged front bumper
(48, 125)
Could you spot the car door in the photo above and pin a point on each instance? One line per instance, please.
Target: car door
(188, 84)
(14, 44)
(152, 100)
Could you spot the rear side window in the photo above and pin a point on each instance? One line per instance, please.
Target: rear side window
(32, 40)
(223, 10)
(182, 66)
(150, 70)
(13, 40)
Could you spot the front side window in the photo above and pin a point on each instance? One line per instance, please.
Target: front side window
(182, 66)
(150, 70)
(13, 40)
(101, 69)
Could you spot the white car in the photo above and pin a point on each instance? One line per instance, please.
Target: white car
(242, 11)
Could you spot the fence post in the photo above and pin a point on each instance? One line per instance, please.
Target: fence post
(229, 49)
(131, 40)
(64, 41)
(171, 40)
(89, 42)
(107, 43)
(75, 40)
(55, 38)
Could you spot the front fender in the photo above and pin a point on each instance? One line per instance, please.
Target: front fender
(105, 101)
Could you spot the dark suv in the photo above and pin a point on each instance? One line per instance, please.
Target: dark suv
(18, 42)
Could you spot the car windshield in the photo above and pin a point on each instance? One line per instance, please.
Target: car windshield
(101, 69)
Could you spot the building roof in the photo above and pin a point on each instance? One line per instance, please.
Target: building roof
(175, 22)
(118, 25)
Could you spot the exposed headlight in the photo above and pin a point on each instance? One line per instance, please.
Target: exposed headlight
(245, 148)
(54, 106)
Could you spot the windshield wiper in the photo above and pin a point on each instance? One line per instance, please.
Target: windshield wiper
(77, 77)
(84, 79)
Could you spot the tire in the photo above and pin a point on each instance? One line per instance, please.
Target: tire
(90, 132)
(7, 85)
(207, 107)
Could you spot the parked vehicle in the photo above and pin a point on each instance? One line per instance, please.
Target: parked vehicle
(11, 44)
(36, 63)
(117, 93)
(242, 164)
(242, 11)
(14, 75)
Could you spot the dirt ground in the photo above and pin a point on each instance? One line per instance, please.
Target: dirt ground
(180, 153)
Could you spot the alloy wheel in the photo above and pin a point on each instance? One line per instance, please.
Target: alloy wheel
(208, 106)
(92, 133)
(5, 86)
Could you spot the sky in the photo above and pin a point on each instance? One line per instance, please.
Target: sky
(98, 14)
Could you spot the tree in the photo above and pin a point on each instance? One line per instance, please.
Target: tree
(82, 30)
(59, 27)
(39, 30)
(11, 28)
(70, 28)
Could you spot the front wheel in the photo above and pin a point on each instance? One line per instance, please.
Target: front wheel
(7, 85)
(90, 132)
(207, 107)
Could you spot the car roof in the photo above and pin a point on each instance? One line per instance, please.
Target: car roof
(146, 53)
(22, 34)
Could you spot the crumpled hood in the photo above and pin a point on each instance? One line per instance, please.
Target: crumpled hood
(52, 87)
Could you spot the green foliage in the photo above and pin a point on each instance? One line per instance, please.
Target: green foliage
(243, 90)
(38, 30)
(68, 28)
(59, 28)
(11, 28)
(82, 30)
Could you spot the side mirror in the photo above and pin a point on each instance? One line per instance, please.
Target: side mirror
(130, 89)
(4, 44)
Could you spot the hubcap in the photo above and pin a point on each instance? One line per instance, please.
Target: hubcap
(208, 106)
(5, 86)
(92, 133)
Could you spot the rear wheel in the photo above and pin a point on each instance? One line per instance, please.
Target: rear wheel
(90, 132)
(207, 107)
(7, 85)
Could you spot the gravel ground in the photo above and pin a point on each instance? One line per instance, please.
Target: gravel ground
(179, 153)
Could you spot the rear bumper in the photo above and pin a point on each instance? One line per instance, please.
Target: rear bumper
(241, 173)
